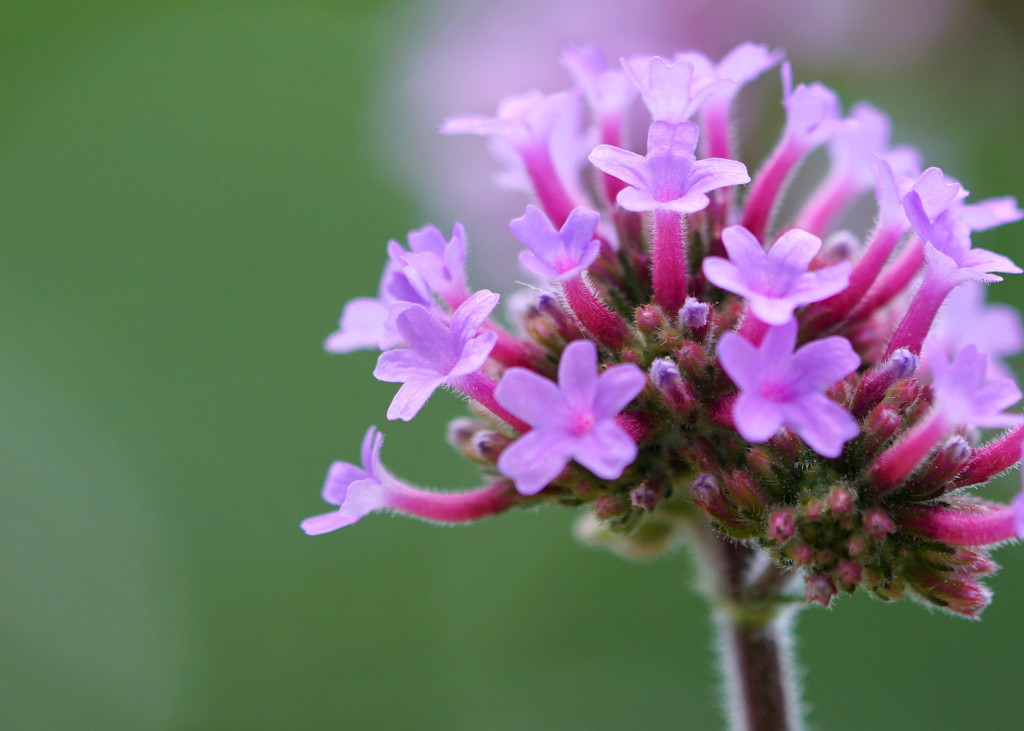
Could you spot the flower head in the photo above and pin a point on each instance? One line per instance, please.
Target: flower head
(678, 369)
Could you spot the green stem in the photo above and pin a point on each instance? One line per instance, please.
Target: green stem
(753, 616)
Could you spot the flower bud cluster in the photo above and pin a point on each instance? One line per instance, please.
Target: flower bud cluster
(689, 355)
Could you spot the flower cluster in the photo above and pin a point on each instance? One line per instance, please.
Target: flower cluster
(690, 355)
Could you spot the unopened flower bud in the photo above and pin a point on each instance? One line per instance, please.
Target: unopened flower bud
(607, 507)
(880, 426)
(693, 315)
(813, 509)
(878, 524)
(902, 364)
(857, 546)
(801, 553)
(551, 308)
(761, 465)
(905, 395)
(840, 501)
(744, 492)
(666, 378)
(782, 525)
(848, 572)
(460, 433)
(692, 360)
(938, 475)
(708, 497)
(649, 319)
(841, 246)
(646, 496)
(489, 445)
(819, 589)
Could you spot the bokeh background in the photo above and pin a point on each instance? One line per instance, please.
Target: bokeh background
(188, 193)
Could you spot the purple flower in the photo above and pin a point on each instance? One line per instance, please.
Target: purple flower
(608, 91)
(741, 65)
(368, 322)
(935, 208)
(966, 319)
(433, 264)
(779, 387)
(813, 113)
(560, 255)
(357, 491)
(965, 396)
(853, 154)
(523, 120)
(775, 282)
(438, 353)
(671, 91)
(669, 177)
(573, 419)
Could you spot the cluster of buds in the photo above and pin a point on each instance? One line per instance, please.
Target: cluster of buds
(686, 355)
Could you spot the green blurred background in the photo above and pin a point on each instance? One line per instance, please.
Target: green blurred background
(188, 194)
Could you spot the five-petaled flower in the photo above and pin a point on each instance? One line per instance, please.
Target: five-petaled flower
(573, 419)
(780, 387)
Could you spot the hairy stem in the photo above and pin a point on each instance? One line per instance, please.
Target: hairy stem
(753, 618)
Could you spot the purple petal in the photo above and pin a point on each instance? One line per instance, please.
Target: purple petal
(531, 397)
(772, 310)
(578, 230)
(821, 284)
(795, 249)
(534, 229)
(745, 251)
(427, 336)
(474, 354)
(688, 203)
(471, 315)
(670, 138)
(616, 387)
(628, 167)
(714, 173)
(369, 453)
(577, 374)
(326, 522)
(820, 363)
(740, 360)
(757, 419)
(824, 425)
(534, 460)
(532, 262)
(746, 62)
(339, 477)
(606, 450)
(989, 213)
(724, 274)
(361, 326)
(778, 343)
(984, 262)
(638, 200)
(399, 366)
(411, 397)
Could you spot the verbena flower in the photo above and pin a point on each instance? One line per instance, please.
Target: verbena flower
(675, 368)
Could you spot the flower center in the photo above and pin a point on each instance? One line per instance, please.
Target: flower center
(582, 422)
